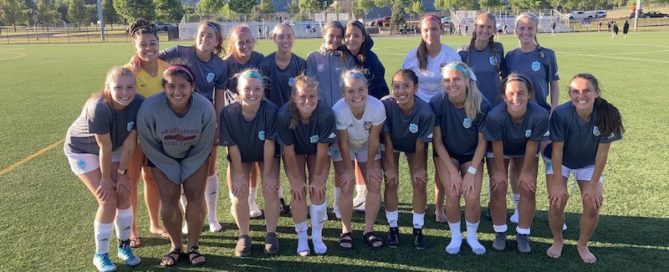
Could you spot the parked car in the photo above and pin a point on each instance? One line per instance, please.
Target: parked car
(445, 20)
(580, 15)
(654, 14)
(385, 21)
(600, 14)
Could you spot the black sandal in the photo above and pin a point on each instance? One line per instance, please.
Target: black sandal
(194, 254)
(171, 258)
(371, 239)
(346, 241)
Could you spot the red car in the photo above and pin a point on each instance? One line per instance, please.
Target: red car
(385, 21)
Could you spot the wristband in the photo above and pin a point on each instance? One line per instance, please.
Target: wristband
(122, 171)
(471, 170)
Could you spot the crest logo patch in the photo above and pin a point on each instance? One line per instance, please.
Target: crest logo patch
(313, 139)
(413, 128)
(261, 135)
(210, 77)
(467, 123)
(536, 66)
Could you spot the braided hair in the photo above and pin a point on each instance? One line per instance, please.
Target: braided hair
(492, 45)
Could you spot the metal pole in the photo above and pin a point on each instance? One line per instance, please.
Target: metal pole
(101, 21)
(636, 14)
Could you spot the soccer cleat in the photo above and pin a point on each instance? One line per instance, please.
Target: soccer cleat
(523, 241)
(103, 263)
(500, 241)
(393, 237)
(418, 241)
(125, 254)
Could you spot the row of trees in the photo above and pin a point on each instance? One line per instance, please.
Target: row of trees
(81, 12)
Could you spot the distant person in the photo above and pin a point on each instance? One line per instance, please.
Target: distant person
(599, 26)
(553, 28)
(426, 61)
(626, 28)
(582, 131)
(176, 130)
(614, 31)
(99, 146)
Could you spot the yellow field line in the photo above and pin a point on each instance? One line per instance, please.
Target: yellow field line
(32, 156)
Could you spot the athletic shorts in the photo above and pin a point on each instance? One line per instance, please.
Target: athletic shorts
(462, 159)
(584, 173)
(361, 156)
(82, 163)
(490, 155)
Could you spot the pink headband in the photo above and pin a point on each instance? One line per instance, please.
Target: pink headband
(173, 68)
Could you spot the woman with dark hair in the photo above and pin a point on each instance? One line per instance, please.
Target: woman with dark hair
(582, 131)
(176, 131)
(99, 147)
(210, 74)
(426, 61)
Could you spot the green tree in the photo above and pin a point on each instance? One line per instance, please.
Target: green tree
(131, 10)
(109, 13)
(168, 10)
(263, 9)
(61, 7)
(529, 4)
(12, 12)
(228, 13)
(46, 13)
(364, 5)
(383, 3)
(76, 12)
(241, 6)
(417, 7)
(491, 4)
(457, 4)
(209, 7)
(399, 9)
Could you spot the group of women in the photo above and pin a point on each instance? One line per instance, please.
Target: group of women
(474, 105)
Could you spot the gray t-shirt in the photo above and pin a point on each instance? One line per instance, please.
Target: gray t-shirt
(540, 66)
(484, 65)
(177, 145)
(278, 82)
(98, 117)
(235, 67)
(305, 137)
(405, 130)
(581, 139)
(458, 133)
(209, 75)
(249, 136)
(326, 66)
(514, 136)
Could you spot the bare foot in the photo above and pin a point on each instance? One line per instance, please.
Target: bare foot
(160, 231)
(586, 255)
(555, 251)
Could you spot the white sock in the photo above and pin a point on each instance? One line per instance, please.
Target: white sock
(472, 239)
(335, 204)
(456, 240)
(183, 201)
(211, 195)
(516, 198)
(280, 190)
(500, 228)
(253, 194)
(102, 233)
(361, 190)
(520, 230)
(123, 222)
(302, 239)
(392, 216)
(317, 212)
(418, 220)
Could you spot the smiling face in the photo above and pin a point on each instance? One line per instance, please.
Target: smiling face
(283, 38)
(178, 90)
(244, 43)
(353, 39)
(251, 91)
(430, 31)
(404, 89)
(454, 84)
(484, 28)
(306, 99)
(516, 96)
(355, 93)
(147, 47)
(122, 90)
(332, 38)
(582, 94)
(526, 30)
(207, 39)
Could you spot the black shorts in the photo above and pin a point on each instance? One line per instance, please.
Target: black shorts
(462, 159)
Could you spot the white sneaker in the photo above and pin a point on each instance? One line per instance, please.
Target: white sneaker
(564, 226)
(360, 208)
(514, 217)
(359, 199)
(254, 211)
(184, 228)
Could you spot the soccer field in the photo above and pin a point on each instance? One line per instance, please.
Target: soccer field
(46, 213)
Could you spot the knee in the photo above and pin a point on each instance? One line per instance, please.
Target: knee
(472, 199)
(270, 191)
(391, 187)
(110, 203)
(347, 189)
(374, 187)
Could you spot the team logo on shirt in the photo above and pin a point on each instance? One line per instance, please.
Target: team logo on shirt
(595, 131)
(528, 133)
(210, 77)
(536, 66)
(368, 125)
(130, 125)
(493, 60)
(313, 139)
(261, 135)
(291, 81)
(467, 123)
(413, 128)
(320, 67)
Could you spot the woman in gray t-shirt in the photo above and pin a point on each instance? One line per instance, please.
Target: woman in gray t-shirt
(176, 131)
(99, 147)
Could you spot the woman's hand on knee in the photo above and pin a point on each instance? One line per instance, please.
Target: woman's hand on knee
(105, 189)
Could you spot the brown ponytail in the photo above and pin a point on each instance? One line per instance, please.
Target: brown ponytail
(609, 120)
